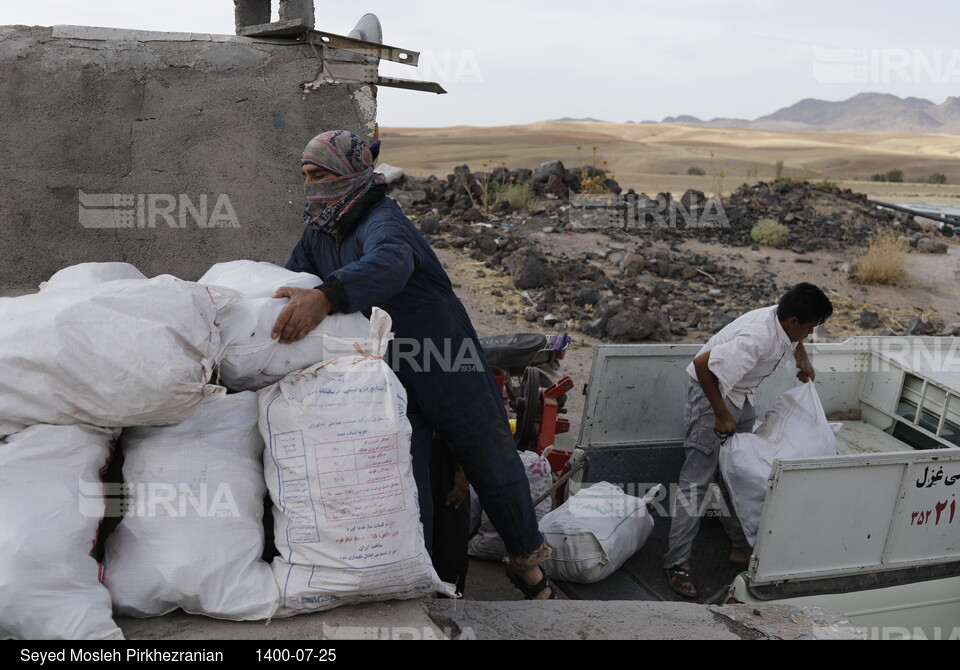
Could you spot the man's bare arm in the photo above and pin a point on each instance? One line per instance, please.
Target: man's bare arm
(725, 422)
(306, 309)
(807, 373)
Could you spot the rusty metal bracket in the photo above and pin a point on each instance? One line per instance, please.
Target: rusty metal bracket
(349, 60)
(381, 51)
(412, 84)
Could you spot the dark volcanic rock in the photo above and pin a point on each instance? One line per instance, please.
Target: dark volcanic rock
(870, 320)
(629, 326)
(407, 199)
(556, 187)
(918, 326)
(719, 319)
(633, 264)
(611, 186)
(925, 245)
(430, 225)
(527, 267)
(473, 215)
(693, 198)
(588, 296)
(543, 173)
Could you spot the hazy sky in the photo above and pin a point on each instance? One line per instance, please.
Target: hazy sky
(512, 62)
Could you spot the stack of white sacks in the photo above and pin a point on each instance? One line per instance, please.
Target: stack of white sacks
(100, 352)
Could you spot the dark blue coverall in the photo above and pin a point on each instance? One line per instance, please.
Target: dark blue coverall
(376, 257)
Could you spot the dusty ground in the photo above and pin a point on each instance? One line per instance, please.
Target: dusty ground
(931, 288)
(474, 291)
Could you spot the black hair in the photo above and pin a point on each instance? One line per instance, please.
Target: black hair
(806, 302)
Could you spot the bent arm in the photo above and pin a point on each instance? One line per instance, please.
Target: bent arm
(807, 373)
(725, 422)
(383, 270)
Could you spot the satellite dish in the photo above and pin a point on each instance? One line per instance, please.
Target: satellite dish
(368, 29)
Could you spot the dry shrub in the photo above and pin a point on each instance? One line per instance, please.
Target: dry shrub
(520, 196)
(883, 262)
(770, 233)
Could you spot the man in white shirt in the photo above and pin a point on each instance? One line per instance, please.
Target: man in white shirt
(720, 402)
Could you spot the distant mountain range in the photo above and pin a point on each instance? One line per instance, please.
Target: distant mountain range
(865, 112)
(586, 118)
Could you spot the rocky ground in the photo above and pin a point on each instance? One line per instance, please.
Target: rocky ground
(633, 268)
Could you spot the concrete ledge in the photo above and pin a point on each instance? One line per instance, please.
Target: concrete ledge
(400, 619)
(442, 619)
(98, 34)
(633, 620)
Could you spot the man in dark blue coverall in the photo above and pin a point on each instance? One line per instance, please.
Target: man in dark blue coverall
(369, 254)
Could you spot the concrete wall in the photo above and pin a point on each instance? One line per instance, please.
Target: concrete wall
(163, 121)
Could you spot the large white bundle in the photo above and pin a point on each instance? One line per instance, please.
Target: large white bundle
(252, 359)
(90, 274)
(121, 353)
(255, 279)
(52, 502)
(796, 427)
(487, 544)
(192, 536)
(593, 533)
(338, 468)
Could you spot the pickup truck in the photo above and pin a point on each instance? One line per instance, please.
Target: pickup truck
(872, 532)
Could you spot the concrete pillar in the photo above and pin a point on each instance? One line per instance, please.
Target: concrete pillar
(291, 10)
(250, 12)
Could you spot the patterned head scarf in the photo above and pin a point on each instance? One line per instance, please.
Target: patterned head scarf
(348, 157)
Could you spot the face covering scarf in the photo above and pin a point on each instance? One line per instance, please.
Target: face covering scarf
(345, 155)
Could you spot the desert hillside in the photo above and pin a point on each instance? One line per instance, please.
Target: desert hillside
(654, 158)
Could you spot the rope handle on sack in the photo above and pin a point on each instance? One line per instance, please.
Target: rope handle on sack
(360, 351)
(723, 436)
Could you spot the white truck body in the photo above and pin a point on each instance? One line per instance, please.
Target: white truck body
(873, 532)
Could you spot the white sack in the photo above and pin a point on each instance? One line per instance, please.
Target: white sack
(90, 274)
(256, 279)
(123, 353)
(252, 359)
(796, 427)
(390, 172)
(52, 502)
(338, 468)
(594, 532)
(487, 543)
(192, 536)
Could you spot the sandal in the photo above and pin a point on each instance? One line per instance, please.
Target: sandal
(676, 577)
(530, 591)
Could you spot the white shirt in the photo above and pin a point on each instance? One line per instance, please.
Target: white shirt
(746, 352)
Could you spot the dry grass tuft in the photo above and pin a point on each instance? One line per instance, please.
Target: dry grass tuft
(883, 262)
(770, 233)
